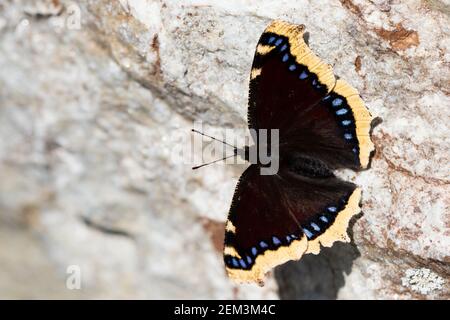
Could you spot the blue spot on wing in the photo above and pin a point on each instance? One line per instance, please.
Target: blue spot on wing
(263, 245)
(284, 47)
(235, 262)
(346, 122)
(271, 39)
(315, 226)
(308, 233)
(276, 241)
(332, 209)
(242, 263)
(303, 75)
(285, 57)
(324, 219)
(342, 111)
(278, 42)
(254, 251)
(337, 102)
(292, 67)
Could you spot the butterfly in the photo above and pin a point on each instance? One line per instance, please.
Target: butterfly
(323, 125)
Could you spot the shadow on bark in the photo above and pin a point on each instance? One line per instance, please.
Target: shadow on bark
(317, 277)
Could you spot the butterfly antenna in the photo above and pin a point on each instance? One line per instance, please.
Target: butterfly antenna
(196, 131)
(205, 164)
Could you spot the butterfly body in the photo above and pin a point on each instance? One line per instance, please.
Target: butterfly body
(322, 125)
(308, 167)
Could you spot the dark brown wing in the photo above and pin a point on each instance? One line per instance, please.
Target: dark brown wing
(292, 90)
(277, 218)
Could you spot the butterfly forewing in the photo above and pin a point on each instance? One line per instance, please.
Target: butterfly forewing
(293, 91)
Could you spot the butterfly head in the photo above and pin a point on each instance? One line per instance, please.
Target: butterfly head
(244, 153)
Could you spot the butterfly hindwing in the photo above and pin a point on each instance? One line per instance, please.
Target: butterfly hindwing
(292, 90)
(321, 203)
(260, 234)
(277, 218)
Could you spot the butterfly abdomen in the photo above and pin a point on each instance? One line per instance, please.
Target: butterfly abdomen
(309, 167)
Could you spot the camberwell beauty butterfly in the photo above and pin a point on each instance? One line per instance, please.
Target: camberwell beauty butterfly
(323, 125)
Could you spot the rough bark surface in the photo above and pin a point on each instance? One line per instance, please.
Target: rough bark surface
(92, 92)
